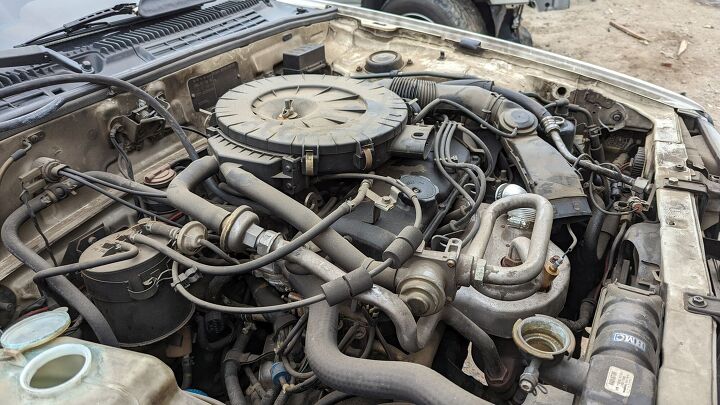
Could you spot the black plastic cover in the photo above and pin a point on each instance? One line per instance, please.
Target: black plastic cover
(308, 58)
(290, 127)
(545, 172)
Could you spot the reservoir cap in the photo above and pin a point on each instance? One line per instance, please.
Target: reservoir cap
(36, 330)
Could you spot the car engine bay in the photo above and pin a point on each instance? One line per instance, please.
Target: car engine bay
(322, 218)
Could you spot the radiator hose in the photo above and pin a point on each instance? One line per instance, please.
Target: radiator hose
(373, 378)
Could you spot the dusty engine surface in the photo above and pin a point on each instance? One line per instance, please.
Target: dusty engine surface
(284, 128)
(348, 237)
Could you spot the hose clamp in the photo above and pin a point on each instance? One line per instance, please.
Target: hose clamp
(549, 124)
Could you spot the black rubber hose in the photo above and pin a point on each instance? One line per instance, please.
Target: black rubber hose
(230, 370)
(587, 310)
(109, 81)
(33, 116)
(373, 378)
(591, 237)
(58, 284)
(127, 252)
(265, 296)
(333, 397)
(370, 236)
(119, 183)
(299, 216)
(180, 195)
(584, 111)
(523, 101)
(493, 367)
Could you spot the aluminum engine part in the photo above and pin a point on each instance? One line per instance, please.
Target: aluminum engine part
(521, 217)
(495, 308)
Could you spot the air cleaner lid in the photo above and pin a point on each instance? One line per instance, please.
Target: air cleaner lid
(294, 114)
(36, 330)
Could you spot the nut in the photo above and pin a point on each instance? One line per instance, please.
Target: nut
(698, 301)
(251, 235)
(265, 241)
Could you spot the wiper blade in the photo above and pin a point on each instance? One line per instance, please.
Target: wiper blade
(86, 21)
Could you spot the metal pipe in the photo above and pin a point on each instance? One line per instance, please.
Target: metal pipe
(539, 241)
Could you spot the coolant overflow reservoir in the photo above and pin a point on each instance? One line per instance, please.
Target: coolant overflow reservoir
(56, 370)
(36, 330)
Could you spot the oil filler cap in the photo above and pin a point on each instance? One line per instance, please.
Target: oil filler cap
(36, 330)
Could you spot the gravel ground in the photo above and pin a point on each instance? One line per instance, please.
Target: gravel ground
(583, 32)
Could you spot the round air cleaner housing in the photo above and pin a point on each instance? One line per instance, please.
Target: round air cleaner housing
(306, 125)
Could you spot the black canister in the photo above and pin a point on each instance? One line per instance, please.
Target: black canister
(135, 294)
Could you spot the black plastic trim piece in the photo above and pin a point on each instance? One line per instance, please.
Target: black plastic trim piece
(85, 95)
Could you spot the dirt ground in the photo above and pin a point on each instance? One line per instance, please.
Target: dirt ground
(583, 32)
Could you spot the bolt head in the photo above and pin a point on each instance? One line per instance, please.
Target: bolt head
(526, 385)
(698, 301)
(673, 180)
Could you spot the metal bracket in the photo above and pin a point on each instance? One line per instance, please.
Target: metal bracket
(387, 202)
(701, 304)
(699, 189)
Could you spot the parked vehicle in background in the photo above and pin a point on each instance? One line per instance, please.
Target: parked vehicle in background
(498, 18)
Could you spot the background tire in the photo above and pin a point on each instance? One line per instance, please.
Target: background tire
(454, 13)
(524, 36)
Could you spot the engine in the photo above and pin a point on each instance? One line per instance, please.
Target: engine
(345, 236)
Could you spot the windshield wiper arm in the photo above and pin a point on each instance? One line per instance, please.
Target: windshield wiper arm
(82, 22)
(35, 54)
